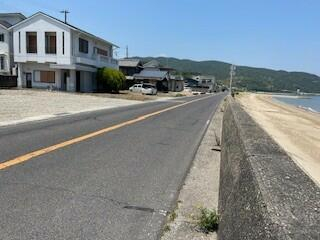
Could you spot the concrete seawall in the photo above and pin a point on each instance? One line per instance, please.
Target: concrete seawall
(263, 193)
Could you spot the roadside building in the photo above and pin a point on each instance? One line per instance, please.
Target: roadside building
(151, 72)
(154, 76)
(129, 67)
(205, 81)
(176, 83)
(190, 82)
(51, 53)
(152, 64)
(7, 20)
(159, 76)
(202, 83)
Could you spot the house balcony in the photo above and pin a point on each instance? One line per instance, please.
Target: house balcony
(98, 61)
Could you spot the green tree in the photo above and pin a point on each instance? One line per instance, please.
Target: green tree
(110, 80)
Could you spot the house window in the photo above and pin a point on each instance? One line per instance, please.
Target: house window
(63, 43)
(1, 62)
(51, 42)
(102, 52)
(31, 38)
(44, 76)
(1, 37)
(83, 45)
(19, 42)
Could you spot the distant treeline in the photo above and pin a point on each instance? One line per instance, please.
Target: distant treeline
(249, 78)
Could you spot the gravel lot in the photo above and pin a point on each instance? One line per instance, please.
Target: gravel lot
(18, 106)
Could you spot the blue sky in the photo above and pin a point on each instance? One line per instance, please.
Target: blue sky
(278, 34)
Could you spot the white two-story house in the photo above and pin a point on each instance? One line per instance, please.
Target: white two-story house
(53, 54)
(7, 20)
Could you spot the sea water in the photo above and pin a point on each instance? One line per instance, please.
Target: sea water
(310, 103)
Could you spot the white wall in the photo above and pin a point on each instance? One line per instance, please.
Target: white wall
(33, 68)
(93, 43)
(175, 86)
(179, 86)
(30, 62)
(5, 49)
(92, 58)
(41, 24)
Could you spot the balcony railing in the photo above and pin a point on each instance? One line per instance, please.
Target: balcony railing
(107, 59)
(98, 61)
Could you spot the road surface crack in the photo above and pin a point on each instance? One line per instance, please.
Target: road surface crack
(121, 204)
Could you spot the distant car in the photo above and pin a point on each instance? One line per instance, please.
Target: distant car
(144, 88)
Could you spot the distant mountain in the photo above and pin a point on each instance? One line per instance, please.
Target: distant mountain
(250, 78)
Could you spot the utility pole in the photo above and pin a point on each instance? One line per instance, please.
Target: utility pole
(232, 73)
(65, 15)
(127, 52)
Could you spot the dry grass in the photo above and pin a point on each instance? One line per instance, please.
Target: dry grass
(125, 94)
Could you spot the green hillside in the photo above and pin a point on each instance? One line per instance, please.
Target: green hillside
(256, 79)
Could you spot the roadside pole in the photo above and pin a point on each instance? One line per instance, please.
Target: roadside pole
(232, 73)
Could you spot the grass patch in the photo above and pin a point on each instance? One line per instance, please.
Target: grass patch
(166, 228)
(208, 220)
(170, 219)
(173, 216)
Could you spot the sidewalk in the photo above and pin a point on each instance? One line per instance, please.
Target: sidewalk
(201, 187)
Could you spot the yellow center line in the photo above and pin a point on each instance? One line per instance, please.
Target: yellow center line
(28, 156)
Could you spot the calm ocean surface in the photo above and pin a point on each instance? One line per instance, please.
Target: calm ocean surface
(311, 103)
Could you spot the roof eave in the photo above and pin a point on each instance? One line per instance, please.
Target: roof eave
(149, 77)
(95, 37)
(4, 26)
(68, 25)
(26, 19)
(20, 14)
(127, 66)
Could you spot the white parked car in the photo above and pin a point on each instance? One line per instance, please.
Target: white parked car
(144, 88)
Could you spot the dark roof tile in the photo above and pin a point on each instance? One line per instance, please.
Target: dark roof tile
(5, 23)
(151, 74)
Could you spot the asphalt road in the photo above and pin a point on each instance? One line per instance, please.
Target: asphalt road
(116, 185)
